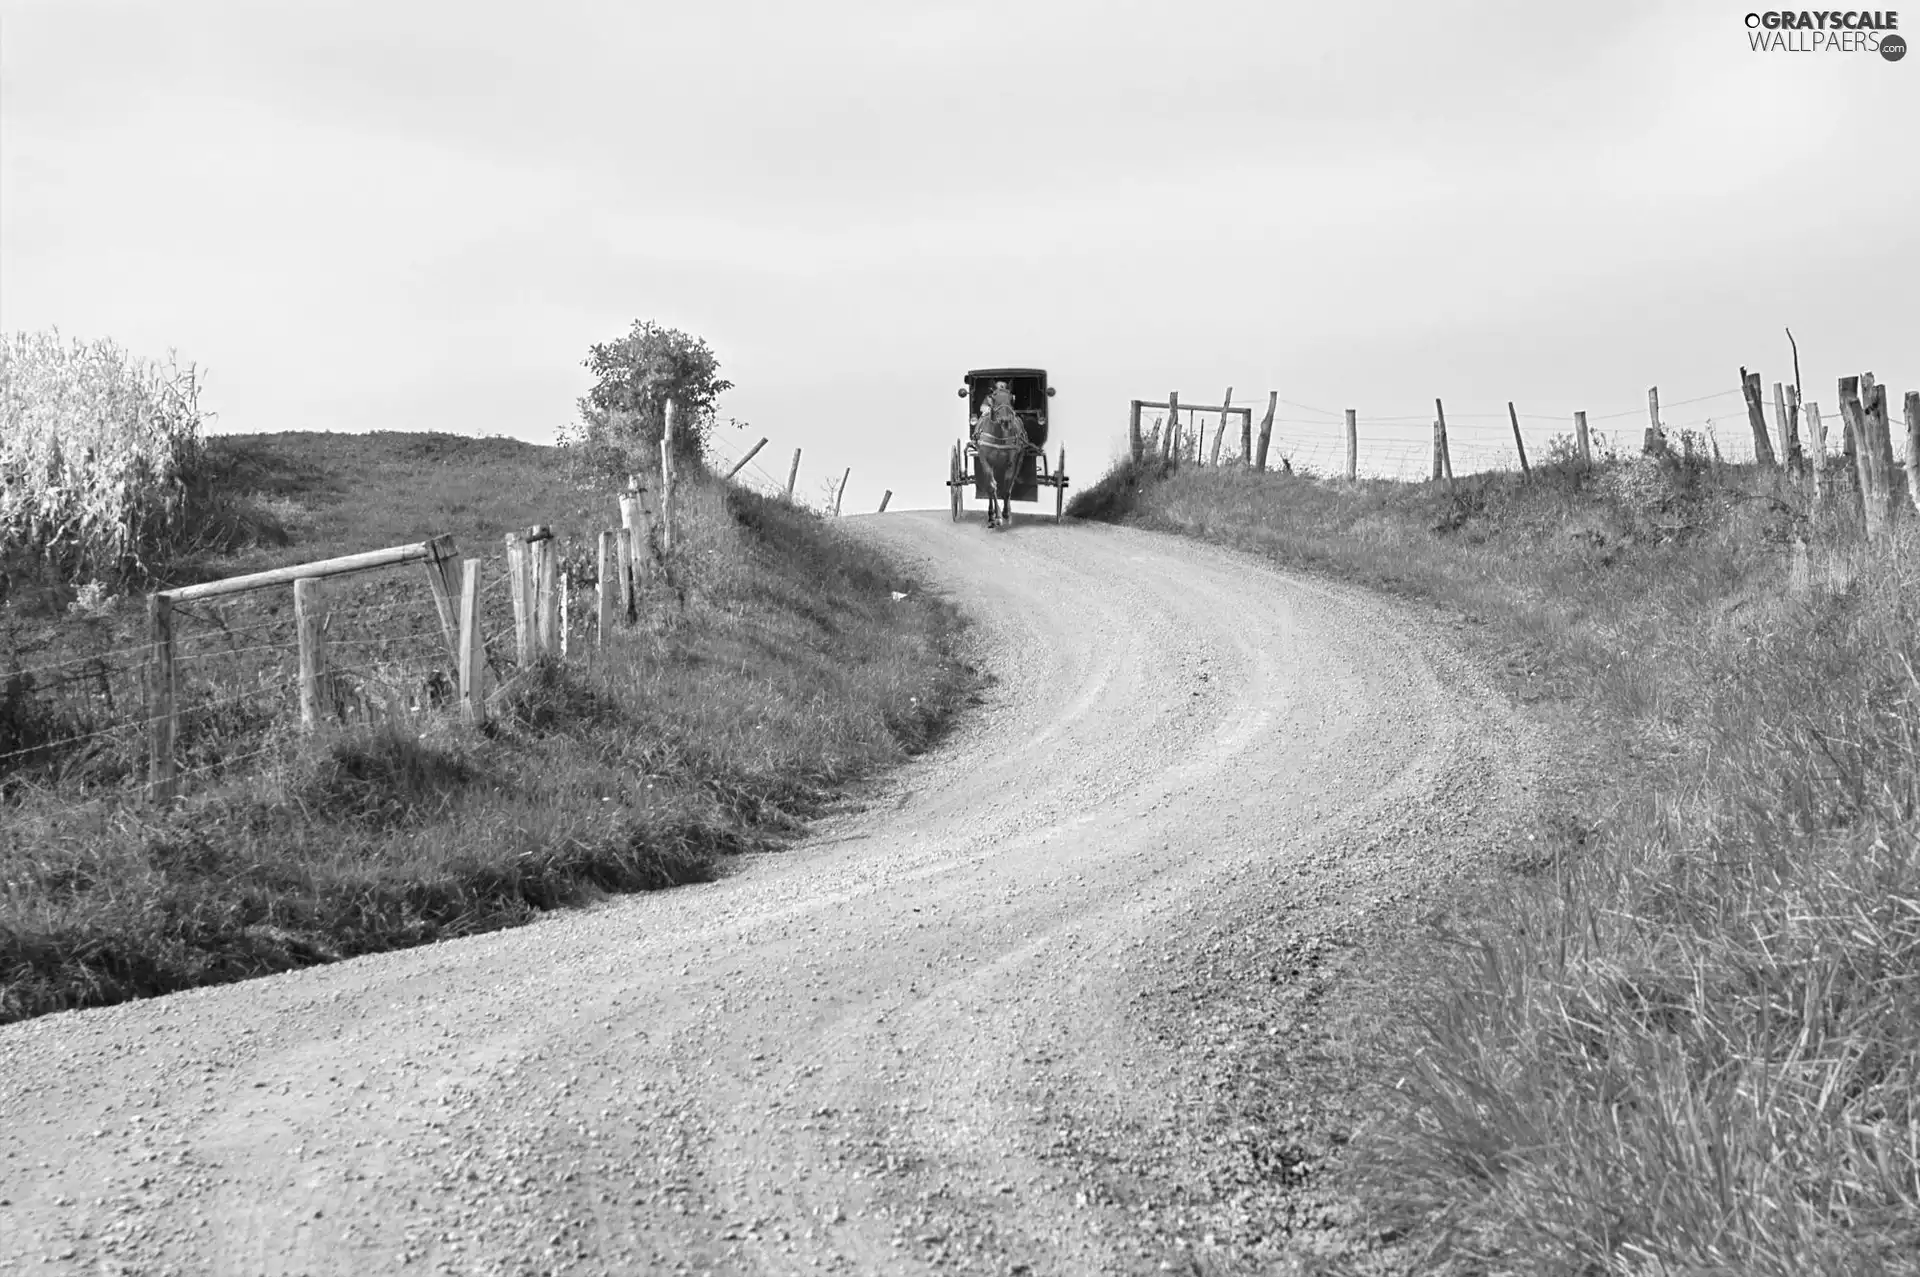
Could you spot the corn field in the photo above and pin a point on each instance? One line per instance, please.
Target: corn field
(98, 451)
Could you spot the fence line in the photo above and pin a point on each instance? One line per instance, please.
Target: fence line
(1400, 446)
(1867, 460)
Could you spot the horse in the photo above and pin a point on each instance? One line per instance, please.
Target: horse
(1000, 441)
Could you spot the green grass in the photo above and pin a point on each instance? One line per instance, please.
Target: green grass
(1684, 1036)
(770, 668)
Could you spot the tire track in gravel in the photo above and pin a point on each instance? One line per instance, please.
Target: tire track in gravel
(920, 1041)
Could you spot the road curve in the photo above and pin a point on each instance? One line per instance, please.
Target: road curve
(851, 1056)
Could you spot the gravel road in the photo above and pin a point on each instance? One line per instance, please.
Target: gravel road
(934, 1037)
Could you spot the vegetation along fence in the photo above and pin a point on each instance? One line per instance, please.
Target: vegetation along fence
(234, 669)
(1796, 442)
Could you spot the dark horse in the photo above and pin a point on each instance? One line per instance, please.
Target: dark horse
(1001, 442)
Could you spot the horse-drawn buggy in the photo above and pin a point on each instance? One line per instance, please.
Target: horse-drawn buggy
(1004, 456)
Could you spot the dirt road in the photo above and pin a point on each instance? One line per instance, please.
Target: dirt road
(870, 1053)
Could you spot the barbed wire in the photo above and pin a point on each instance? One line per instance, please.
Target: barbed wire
(109, 730)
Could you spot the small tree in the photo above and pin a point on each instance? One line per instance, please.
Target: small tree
(635, 377)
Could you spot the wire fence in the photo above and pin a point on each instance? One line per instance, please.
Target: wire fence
(1313, 440)
(84, 718)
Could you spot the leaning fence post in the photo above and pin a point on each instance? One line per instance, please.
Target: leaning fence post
(443, 578)
(1266, 428)
(793, 472)
(1443, 454)
(471, 664)
(1757, 419)
(751, 453)
(1173, 425)
(162, 778)
(1656, 439)
(310, 620)
(1518, 442)
(884, 498)
(1353, 447)
(517, 589)
(841, 491)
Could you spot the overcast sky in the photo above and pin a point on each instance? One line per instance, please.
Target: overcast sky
(417, 216)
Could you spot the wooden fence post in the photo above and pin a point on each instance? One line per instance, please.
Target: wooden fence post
(517, 589)
(623, 550)
(1867, 453)
(1519, 444)
(609, 563)
(1656, 437)
(1218, 435)
(634, 518)
(884, 498)
(545, 594)
(1266, 429)
(1817, 446)
(841, 491)
(310, 620)
(443, 578)
(1912, 406)
(471, 666)
(1757, 419)
(1786, 413)
(793, 472)
(162, 778)
(1173, 425)
(551, 598)
(1581, 439)
(666, 481)
(1133, 431)
(751, 453)
(566, 608)
(1443, 454)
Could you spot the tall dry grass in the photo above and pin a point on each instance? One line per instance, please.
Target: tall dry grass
(1687, 1037)
(99, 452)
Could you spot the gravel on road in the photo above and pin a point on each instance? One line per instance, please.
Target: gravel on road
(975, 1022)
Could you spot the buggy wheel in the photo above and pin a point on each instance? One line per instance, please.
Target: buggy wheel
(954, 481)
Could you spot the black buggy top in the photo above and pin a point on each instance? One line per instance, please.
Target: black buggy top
(1030, 395)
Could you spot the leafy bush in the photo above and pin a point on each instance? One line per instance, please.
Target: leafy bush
(623, 417)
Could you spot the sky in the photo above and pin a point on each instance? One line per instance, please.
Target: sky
(419, 215)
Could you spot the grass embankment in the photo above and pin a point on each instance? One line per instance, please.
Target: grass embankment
(1686, 1038)
(777, 669)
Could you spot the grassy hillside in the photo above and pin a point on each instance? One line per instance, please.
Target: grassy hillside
(770, 667)
(1684, 1036)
